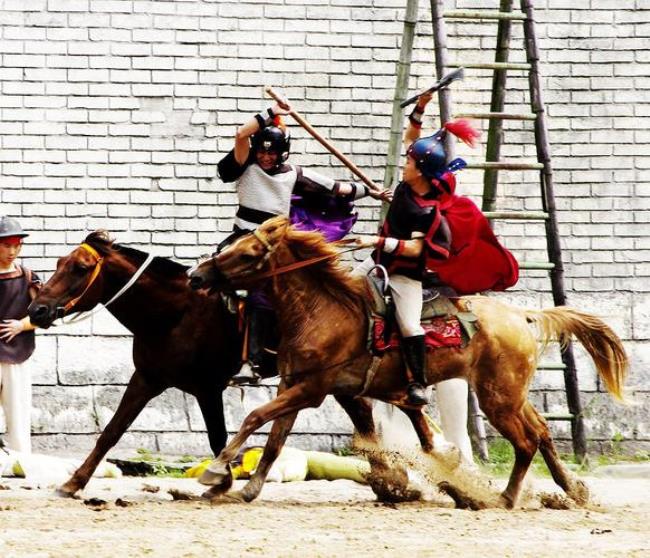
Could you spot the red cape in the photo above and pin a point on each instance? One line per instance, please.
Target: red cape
(477, 262)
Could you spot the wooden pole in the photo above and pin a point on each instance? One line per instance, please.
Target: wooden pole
(401, 89)
(552, 234)
(497, 104)
(442, 63)
(333, 150)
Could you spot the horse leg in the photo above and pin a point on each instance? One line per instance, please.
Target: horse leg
(290, 401)
(138, 393)
(517, 429)
(421, 426)
(277, 437)
(388, 482)
(574, 487)
(212, 410)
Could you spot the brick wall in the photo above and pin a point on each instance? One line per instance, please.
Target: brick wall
(114, 113)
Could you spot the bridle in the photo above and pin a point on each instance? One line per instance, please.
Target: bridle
(62, 311)
(99, 260)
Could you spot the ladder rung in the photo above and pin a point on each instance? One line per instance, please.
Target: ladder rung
(536, 265)
(517, 215)
(496, 115)
(505, 165)
(558, 416)
(493, 66)
(551, 366)
(483, 14)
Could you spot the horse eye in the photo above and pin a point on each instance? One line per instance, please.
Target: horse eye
(80, 269)
(247, 257)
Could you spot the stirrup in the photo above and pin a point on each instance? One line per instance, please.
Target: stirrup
(416, 394)
(246, 376)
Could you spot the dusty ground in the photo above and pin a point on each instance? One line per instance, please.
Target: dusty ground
(315, 518)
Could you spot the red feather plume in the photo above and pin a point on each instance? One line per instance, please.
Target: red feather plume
(463, 130)
(278, 121)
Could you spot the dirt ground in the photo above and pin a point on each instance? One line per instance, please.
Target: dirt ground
(312, 518)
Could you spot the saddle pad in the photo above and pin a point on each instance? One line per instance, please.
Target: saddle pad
(435, 301)
(438, 332)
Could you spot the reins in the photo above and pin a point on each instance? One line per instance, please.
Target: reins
(304, 263)
(99, 260)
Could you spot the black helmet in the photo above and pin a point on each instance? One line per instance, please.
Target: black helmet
(11, 227)
(272, 139)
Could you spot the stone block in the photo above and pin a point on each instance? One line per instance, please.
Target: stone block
(639, 355)
(329, 418)
(641, 315)
(67, 410)
(43, 361)
(95, 360)
(607, 420)
(104, 323)
(236, 409)
(184, 443)
(167, 412)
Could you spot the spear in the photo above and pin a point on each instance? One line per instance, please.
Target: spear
(333, 150)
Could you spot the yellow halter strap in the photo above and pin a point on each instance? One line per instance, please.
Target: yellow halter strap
(98, 267)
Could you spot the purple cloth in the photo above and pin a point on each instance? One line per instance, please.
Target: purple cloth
(333, 217)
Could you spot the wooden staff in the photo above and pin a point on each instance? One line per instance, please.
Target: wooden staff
(300, 120)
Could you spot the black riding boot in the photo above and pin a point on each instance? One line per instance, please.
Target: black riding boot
(249, 372)
(261, 335)
(415, 355)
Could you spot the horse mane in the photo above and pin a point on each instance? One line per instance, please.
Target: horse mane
(333, 275)
(104, 244)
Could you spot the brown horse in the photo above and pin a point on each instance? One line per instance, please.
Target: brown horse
(181, 338)
(323, 315)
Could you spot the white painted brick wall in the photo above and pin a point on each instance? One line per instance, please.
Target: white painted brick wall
(113, 114)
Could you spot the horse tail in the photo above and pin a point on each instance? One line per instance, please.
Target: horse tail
(603, 345)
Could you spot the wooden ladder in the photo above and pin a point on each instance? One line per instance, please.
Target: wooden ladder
(505, 16)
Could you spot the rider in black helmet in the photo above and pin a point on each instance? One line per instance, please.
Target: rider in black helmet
(265, 183)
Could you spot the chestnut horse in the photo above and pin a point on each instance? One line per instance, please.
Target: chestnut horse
(323, 318)
(181, 338)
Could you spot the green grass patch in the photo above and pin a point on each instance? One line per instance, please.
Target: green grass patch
(502, 458)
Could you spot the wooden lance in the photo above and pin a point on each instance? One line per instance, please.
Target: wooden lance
(300, 120)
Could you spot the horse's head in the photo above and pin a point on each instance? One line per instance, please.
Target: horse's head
(243, 262)
(76, 284)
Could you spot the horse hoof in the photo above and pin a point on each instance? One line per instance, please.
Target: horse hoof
(506, 502)
(220, 495)
(394, 493)
(217, 474)
(462, 500)
(579, 493)
(236, 497)
(67, 490)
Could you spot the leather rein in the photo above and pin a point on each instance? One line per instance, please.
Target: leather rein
(300, 264)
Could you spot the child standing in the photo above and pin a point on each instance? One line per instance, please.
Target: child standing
(18, 286)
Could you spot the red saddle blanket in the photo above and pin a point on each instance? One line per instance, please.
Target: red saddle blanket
(442, 331)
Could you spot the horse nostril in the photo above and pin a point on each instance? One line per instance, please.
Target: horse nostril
(39, 311)
(40, 315)
(196, 282)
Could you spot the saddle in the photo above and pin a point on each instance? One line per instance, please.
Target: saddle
(445, 323)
